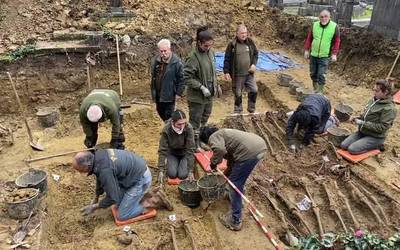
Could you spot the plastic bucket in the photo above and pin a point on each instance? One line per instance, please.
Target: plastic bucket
(284, 80)
(337, 135)
(212, 187)
(293, 86)
(189, 193)
(21, 202)
(34, 178)
(48, 116)
(343, 112)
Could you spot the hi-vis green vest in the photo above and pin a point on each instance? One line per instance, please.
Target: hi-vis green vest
(322, 39)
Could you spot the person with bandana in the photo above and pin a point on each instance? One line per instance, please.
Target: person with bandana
(176, 148)
(99, 106)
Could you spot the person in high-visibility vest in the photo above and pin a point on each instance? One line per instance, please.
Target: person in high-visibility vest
(322, 43)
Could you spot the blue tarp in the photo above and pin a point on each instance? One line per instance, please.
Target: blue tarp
(267, 61)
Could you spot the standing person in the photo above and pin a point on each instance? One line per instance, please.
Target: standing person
(201, 80)
(240, 61)
(323, 40)
(167, 84)
(243, 151)
(374, 123)
(125, 179)
(176, 148)
(311, 116)
(99, 106)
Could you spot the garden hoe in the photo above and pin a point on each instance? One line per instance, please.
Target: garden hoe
(35, 146)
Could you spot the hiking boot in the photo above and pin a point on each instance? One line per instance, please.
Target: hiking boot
(227, 221)
(163, 200)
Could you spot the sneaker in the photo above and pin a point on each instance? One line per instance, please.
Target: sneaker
(226, 220)
(164, 202)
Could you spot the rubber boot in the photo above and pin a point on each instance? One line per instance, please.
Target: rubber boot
(238, 105)
(197, 140)
(315, 86)
(251, 104)
(320, 88)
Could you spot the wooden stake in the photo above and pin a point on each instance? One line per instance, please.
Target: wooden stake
(394, 64)
(88, 76)
(119, 67)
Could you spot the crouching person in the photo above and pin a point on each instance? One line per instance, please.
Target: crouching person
(176, 148)
(243, 151)
(124, 177)
(374, 123)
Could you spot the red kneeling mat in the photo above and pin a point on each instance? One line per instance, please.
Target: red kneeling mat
(150, 214)
(357, 158)
(175, 181)
(203, 158)
(396, 97)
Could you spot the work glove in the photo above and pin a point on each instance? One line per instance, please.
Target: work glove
(228, 77)
(205, 91)
(292, 148)
(160, 178)
(334, 58)
(252, 69)
(219, 91)
(89, 209)
(359, 121)
(90, 142)
(306, 54)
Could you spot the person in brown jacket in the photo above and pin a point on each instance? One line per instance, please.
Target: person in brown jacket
(176, 148)
(243, 151)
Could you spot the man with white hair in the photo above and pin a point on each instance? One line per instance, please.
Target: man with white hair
(99, 106)
(323, 40)
(167, 84)
(240, 61)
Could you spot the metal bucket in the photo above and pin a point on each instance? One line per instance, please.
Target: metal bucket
(189, 193)
(284, 80)
(337, 135)
(21, 202)
(34, 178)
(212, 187)
(48, 116)
(293, 86)
(343, 112)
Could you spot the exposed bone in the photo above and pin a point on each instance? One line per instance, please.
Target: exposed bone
(273, 135)
(315, 208)
(334, 207)
(269, 116)
(360, 196)
(188, 230)
(293, 210)
(173, 238)
(264, 136)
(375, 201)
(346, 202)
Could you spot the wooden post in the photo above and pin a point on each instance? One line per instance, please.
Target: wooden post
(119, 67)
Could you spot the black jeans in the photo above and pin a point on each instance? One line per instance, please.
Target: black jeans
(318, 68)
(165, 109)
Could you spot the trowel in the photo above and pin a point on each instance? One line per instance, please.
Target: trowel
(20, 235)
(35, 146)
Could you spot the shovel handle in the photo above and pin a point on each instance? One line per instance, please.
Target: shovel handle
(394, 64)
(57, 155)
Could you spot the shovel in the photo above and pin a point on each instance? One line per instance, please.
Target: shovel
(33, 145)
(20, 235)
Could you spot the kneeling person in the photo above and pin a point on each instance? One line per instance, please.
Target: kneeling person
(374, 123)
(176, 148)
(124, 177)
(311, 116)
(243, 151)
(99, 106)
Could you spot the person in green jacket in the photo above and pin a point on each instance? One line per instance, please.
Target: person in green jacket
(374, 123)
(176, 148)
(99, 106)
(200, 78)
(323, 40)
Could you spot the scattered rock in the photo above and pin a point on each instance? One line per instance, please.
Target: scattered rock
(124, 239)
(246, 3)
(251, 8)
(120, 26)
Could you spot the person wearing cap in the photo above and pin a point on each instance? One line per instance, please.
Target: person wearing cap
(374, 123)
(311, 116)
(99, 106)
(200, 78)
(167, 84)
(176, 148)
(124, 178)
(243, 152)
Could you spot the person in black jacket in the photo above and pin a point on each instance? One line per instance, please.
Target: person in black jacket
(240, 61)
(124, 177)
(167, 84)
(311, 116)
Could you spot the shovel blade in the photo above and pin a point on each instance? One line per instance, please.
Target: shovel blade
(36, 146)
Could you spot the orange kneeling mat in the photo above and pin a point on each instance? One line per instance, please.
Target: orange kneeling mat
(150, 214)
(203, 158)
(396, 97)
(175, 181)
(357, 158)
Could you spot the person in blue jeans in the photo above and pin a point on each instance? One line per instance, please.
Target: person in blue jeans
(124, 178)
(243, 151)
